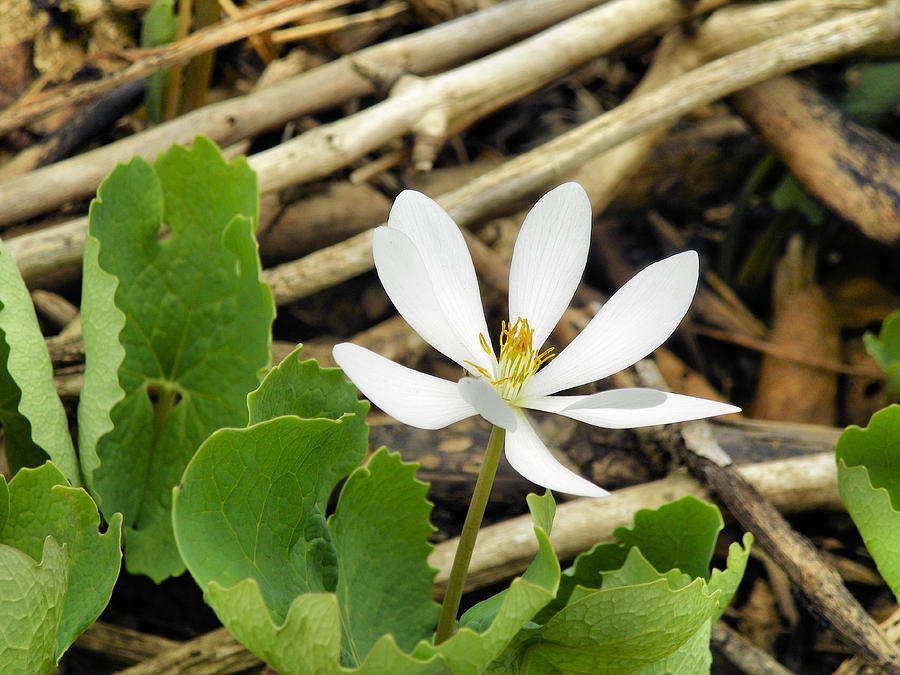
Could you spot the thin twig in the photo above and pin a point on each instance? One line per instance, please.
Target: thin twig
(339, 23)
(786, 353)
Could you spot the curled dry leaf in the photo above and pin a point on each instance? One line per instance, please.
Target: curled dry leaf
(804, 321)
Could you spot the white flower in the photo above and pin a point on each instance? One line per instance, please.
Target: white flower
(425, 266)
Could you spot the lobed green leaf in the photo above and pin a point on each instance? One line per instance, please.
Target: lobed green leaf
(630, 607)
(249, 522)
(885, 349)
(868, 463)
(35, 427)
(380, 532)
(32, 605)
(681, 535)
(41, 504)
(176, 331)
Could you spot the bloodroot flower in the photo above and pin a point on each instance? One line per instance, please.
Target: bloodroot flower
(425, 266)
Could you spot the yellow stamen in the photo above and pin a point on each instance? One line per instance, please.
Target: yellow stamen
(518, 359)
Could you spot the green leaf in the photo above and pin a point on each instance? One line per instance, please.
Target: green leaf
(249, 523)
(42, 504)
(868, 462)
(246, 490)
(31, 608)
(158, 28)
(691, 658)
(618, 611)
(4, 503)
(380, 533)
(636, 570)
(308, 640)
(176, 331)
(586, 572)
(875, 91)
(885, 349)
(386, 657)
(304, 389)
(619, 629)
(309, 392)
(384, 585)
(34, 422)
(248, 507)
(681, 535)
(727, 581)
(790, 195)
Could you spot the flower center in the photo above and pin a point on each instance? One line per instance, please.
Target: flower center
(518, 359)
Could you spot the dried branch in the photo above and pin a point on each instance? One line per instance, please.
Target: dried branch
(785, 353)
(856, 665)
(327, 86)
(123, 644)
(749, 658)
(466, 93)
(529, 173)
(330, 147)
(216, 652)
(853, 169)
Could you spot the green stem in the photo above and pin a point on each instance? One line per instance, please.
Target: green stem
(460, 567)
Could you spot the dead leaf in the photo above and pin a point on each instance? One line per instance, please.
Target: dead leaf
(804, 322)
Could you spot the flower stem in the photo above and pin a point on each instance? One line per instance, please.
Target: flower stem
(460, 567)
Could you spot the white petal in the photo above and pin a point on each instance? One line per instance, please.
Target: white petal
(548, 259)
(485, 399)
(530, 457)
(634, 322)
(407, 283)
(447, 261)
(630, 408)
(405, 394)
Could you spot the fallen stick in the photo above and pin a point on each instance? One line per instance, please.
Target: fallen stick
(785, 353)
(85, 126)
(216, 652)
(856, 665)
(748, 657)
(123, 644)
(338, 23)
(850, 167)
(452, 100)
(329, 85)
